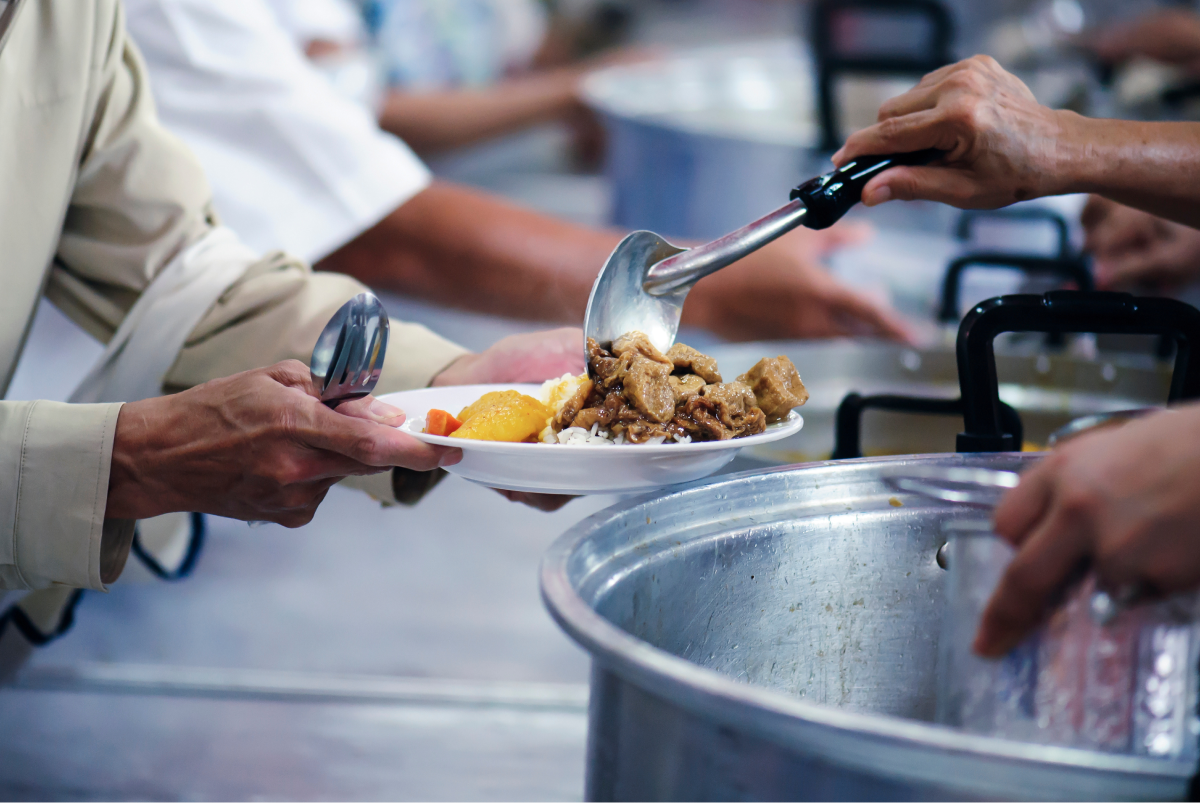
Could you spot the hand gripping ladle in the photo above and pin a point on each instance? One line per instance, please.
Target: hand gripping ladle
(643, 284)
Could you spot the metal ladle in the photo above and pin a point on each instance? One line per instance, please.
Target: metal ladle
(645, 281)
(348, 357)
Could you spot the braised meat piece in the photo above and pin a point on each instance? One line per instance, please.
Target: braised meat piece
(776, 385)
(685, 387)
(646, 386)
(734, 406)
(689, 360)
(697, 417)
(587, 417)
(638, 391)
(567, 414)
(602, 365)
(733, 396)
(632, 343)
(642, 431)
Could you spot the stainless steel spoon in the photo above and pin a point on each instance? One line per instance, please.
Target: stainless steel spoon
(348, 357)
(645, 281)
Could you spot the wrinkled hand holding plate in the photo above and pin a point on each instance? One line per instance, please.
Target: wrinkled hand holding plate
(571, 469)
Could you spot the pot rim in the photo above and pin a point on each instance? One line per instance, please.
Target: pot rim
(877, 743)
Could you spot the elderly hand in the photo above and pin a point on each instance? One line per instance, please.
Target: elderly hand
(255, 446)
(782, 292)
(1127, 499)
(532, 357)
(1137, 250)
(1000, 144)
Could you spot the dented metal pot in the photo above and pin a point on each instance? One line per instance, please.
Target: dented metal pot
(775, 635)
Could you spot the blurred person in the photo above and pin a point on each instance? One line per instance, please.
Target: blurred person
(1168, 36)
(1135, 250)
(452, 73)
(109, 216)
(1126, 500)
(295, 165)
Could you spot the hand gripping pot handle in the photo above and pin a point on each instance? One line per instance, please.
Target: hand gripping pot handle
(829, 197)
(1066, 312)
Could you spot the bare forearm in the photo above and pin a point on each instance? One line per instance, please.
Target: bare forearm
(1150, 166)
(465, 249)
(459, 117)
(1001, 146)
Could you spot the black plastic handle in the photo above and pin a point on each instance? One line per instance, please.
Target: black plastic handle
(831, 196)
(966, 223)
(847, 438)
(832, 62)
(1062, 311)
(1070, 268)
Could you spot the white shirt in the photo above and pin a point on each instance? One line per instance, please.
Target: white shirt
(294, 165)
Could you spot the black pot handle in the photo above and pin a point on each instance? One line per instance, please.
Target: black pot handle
(1062, 311)
(1071, 268)
(847, 437)
(1033, 213)
(831, 62)
(827, 198)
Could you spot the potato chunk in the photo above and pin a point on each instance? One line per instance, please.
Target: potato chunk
(503, 415)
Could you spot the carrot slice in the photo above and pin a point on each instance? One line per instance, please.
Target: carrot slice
(440, 422)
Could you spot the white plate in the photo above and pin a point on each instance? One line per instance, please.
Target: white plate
(572, 469)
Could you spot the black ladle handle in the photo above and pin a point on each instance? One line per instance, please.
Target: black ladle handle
(1062, 311)
(847, 434)
(1071, 268)
(831, 196)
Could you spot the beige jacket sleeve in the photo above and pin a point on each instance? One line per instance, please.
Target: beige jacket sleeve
(139, 198)
(53, 485)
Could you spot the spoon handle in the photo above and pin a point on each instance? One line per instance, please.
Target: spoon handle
(816, 204)
(830, 196)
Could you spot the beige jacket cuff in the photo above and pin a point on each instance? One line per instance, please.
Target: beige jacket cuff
(54, 467)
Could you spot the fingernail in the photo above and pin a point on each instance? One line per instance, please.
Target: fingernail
(880, 196)
(450, 458)
(837, 156)
(385, 411)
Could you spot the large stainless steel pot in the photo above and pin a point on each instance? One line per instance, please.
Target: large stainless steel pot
(774, 636)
